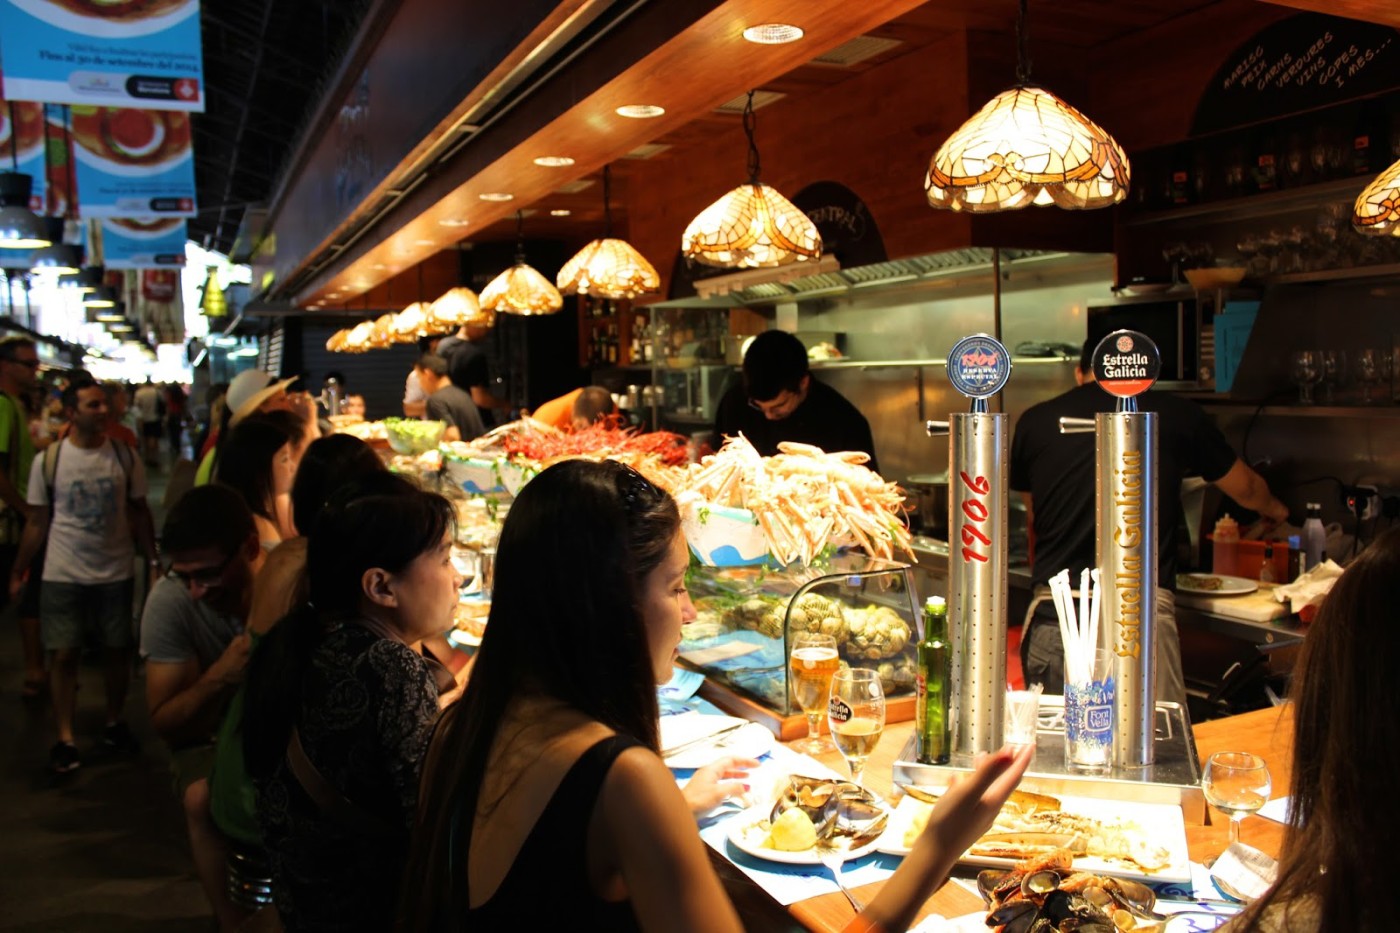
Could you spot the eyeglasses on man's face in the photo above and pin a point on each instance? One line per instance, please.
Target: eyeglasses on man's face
(206, 577)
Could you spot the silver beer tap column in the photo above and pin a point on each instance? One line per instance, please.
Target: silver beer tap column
(978, 367)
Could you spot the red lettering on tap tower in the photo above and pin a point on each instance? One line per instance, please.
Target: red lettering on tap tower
(976, 513)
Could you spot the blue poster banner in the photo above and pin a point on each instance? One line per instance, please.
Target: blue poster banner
(133, 163)
(140, 53)
(143, 243)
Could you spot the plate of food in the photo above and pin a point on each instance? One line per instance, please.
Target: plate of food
(1111, 837)
(1214, 584)
(809, 811)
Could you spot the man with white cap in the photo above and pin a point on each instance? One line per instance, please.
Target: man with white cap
(250, 391)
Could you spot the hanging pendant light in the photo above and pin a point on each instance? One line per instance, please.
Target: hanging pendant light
(753, 225)
(20, 227)
(608, 268)
(1026, 146)
(336, 343)
(521, 289)
(459, 307)
(83, 281)
(1377, 210)
(411, 323)
(382, 334)
(359, 338)
(100, 297)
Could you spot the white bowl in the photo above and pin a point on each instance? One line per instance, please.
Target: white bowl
(721, 536)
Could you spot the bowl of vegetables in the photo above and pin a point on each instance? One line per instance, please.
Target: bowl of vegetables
(411, 437)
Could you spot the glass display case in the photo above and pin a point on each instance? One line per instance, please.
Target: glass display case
(747, 618)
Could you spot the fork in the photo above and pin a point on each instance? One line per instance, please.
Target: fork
(832, 857)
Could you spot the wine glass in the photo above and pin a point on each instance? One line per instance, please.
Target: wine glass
(1305, 373)
(813, 661)
(1237, 784)
(856, 714)
(1334, 370)
(1367, 373)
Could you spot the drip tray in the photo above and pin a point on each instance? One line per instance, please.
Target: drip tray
(1174, 777)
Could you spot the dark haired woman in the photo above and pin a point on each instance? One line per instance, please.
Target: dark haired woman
(340, 703)
(1338, 852)
(543, 789)
(257, 462)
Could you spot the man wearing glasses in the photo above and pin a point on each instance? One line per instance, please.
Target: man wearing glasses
(780, 401)
(19, 367)
(192, 629)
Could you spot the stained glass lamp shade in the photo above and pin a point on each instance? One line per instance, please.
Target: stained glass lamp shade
(1377, 210)
(521, 290)
(1026, 146)
(458, 307)
(411, 323)
(608, 268)
(751, 226)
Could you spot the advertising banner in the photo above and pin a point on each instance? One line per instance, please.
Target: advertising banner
(143, 53)
(143, 243)
(133, 163)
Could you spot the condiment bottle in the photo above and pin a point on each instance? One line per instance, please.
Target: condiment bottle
(1314, 537)
(1225, 550)
(932, 725)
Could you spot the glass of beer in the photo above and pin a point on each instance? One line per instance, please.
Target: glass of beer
(812, 662)
(856, 713)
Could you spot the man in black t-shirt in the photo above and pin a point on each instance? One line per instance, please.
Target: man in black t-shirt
(468, 366)
(780, 401)
(446, 402)
(1055, 474)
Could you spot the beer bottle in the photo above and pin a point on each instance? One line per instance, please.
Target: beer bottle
(934, 682)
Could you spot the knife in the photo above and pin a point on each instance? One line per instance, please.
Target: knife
(703, 740)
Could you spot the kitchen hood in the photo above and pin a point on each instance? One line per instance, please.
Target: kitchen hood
(825, 278)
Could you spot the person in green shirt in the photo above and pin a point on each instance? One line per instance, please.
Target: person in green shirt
(19, 367)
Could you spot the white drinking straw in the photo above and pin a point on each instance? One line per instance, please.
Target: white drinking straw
(1094, 611)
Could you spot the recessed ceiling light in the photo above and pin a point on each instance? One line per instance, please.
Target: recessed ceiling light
(425, 242)
(640, 111)
(773, 33)
(560, 213)
(453, 222)
(378, 265)
(553, 161)
(496, 196)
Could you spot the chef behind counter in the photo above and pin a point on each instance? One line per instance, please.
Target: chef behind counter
(1055, 472)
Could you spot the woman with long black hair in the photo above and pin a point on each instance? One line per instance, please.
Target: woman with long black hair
(341, 701)
(544, 795)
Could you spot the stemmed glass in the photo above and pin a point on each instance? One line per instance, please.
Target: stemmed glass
(856, 714)
(1367, 373)
(1305, 374)
(813, 662)
(1237, 784)
(1334, 369)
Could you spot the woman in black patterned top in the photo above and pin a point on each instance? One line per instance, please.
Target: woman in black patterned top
(341, 702)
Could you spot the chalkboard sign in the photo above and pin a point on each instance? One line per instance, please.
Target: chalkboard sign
(1302, 63)
(848, 231)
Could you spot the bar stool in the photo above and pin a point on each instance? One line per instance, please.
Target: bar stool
(249, 880)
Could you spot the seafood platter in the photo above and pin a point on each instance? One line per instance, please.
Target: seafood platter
(1174, 779)
(1049, 894)
(747, 617)
(1144, 842)
(810, 816)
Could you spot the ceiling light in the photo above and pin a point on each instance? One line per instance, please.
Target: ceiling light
(496, 196)
(1026, 146)
(336, 343)
(640, 111)
(453, 222)
(425, 242)
(378, 265)
(1377, 210)
(87, 279)
(560, 213)
(753, 225)
(100, 297)
(382, 333)
(411, 323)
(359, 338)
(60, 258)
(20, 228)
(773, 33)
(608, 267)
(458, 307)
(554, 161)
(521, 289)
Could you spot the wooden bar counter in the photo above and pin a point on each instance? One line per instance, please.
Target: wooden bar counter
(1267, 733)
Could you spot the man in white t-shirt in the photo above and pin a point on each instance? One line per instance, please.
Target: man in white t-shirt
(147, 404)
(87, 498)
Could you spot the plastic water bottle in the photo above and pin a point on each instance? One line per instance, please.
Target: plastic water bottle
(1314, 537)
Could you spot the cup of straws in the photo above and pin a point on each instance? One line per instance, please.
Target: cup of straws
(1089, 684)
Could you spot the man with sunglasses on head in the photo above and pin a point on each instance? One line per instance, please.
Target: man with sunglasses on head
(780, 401)
(87, 510)
(192, 629)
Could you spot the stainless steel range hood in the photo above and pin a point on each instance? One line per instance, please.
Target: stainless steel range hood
(826, 279)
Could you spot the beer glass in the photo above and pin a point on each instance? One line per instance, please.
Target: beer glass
(856, 714)
(812, 662)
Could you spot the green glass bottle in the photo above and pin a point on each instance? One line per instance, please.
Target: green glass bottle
(934, 684)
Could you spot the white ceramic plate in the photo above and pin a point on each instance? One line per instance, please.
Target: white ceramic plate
(745, 835)
(1202, 584)
(751, 741)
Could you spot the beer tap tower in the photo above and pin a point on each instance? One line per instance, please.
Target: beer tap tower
(978, 367)
(1126, 364)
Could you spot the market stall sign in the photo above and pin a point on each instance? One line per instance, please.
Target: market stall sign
(143, 243)
(132, 52)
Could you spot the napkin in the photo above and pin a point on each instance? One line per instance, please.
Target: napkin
(1310, 587)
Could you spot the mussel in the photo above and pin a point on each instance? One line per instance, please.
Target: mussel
(836, 808)
(1046, 897)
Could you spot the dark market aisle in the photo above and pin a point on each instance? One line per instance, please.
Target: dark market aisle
(101, 849)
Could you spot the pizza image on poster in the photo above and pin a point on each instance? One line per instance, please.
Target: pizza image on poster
(133, 163)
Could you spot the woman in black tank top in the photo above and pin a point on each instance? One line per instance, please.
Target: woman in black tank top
(544, 796)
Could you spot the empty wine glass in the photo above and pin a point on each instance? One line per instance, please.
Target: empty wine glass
(1237, 784)
(1385, 369)
(1367, 373)
(1305, 374)
(1334, 370)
